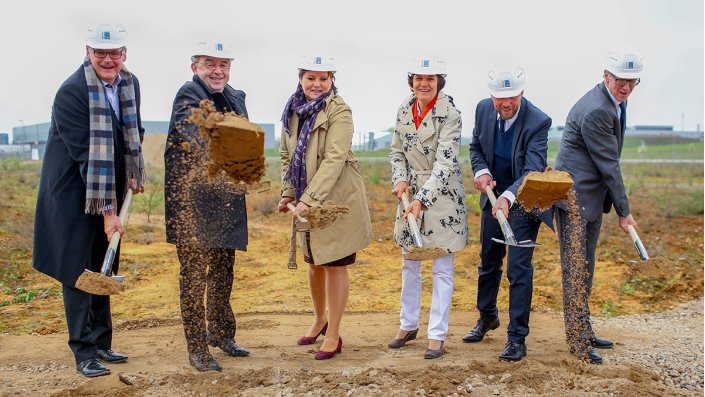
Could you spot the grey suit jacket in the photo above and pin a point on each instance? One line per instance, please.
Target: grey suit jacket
(529, 144)
(590, 150)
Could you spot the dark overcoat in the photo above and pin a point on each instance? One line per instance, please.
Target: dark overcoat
(66, 239)
(210, 214)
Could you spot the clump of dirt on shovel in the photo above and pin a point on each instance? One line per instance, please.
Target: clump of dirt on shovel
(543, 189)
(324, 215)
(422, 254)
(235, 145)
(97, 284)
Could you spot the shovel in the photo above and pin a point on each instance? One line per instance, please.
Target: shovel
(637, 243)
(302, 225)
(103, 283)
(419, 253)
(509, 238)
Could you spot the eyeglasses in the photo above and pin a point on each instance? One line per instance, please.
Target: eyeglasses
(102, 54)
(213, 65)
(622, 82)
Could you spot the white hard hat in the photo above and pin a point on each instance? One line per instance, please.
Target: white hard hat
(627, 67)
(106, 37)
(506, 84)
(428, 66)
(215, 49)
(317, 63)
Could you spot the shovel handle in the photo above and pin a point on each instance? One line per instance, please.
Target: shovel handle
(293, 211)
(412, 220)
(115, 239)
(640, 249)
(493, 200)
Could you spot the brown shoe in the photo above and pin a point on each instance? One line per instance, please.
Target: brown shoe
(397, 343)
(431, 354)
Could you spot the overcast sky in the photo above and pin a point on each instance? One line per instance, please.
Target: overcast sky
(560, 44)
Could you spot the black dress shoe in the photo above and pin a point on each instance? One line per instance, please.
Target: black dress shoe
(92, 368)
(228, 345)
(601, 343)
(397, 343)
(481, 328)
(513, 351)
(204, 362)
(593, 357)
(110, 356)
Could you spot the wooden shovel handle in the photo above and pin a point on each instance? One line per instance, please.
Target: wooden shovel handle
(632, 233)
(411, 218)
(293, 211)
(493, 200)
(115, 238)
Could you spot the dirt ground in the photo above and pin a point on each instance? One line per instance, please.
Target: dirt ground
(273, 309)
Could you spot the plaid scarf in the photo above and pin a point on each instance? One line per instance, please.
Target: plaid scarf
(100, 182)
(307, 111)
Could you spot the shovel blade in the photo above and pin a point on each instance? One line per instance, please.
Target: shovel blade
(521, 244)
(99, 284)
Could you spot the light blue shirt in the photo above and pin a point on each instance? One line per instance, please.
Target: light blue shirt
(111, 90)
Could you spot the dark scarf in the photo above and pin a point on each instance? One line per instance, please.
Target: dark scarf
(307, 111)
(100, 181)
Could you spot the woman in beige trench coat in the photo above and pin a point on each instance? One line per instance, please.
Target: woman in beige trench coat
(424, 157)
(318, 166)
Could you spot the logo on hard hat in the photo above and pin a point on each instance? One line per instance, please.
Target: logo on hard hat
(317, 60)
(630, 65)
(507, 84)
(425, 63)
(106, 35)
(219, 46)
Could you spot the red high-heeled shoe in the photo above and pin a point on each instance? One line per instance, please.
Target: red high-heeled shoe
(324, 355)
(309, 340)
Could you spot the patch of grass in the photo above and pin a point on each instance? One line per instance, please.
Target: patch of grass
(627, 289)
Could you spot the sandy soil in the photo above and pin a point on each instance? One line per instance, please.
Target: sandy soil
(41, 365)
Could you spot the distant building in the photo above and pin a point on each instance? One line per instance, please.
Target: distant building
(4, 139)
(35, 135)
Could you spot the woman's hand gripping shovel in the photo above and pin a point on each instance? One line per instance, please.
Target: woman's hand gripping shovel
(321, 217)
(419, 253)
(509, 238)
(103, 283)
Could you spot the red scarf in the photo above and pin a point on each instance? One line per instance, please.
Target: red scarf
(415, 111)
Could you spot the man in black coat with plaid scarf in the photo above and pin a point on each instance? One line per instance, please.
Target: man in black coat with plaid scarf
(93, 153)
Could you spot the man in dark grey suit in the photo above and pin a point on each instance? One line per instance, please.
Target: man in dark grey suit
(206, 219)
(590, 150)
(510, 139)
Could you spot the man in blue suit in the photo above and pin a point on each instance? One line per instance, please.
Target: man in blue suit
(590, 150)
(510, 139)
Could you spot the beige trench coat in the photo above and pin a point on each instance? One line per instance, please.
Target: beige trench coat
(333, 175)
(427, 160)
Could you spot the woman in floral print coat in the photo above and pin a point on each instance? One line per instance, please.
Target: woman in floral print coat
(424, 157)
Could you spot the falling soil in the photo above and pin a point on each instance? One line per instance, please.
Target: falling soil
(543, 189)
(324, 215)
(235, 145)
(575, 288)
(422, 254)
(98, 284)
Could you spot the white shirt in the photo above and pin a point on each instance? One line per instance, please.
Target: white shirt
(507, 125)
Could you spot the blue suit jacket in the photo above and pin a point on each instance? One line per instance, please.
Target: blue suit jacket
(529, 144)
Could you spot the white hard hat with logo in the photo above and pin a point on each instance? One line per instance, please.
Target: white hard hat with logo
(317, 63)
(106, 37)
(627, 67)
(428, 66)
(506, 84)
(215, 49)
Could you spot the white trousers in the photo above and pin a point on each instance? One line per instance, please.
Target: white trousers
(440, 300)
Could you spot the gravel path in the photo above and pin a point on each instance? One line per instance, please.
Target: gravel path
(673, 347)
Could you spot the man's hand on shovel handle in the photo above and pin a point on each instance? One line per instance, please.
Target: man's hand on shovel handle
(625, 221)
(135, 189)
(111, 224)
(502, 204)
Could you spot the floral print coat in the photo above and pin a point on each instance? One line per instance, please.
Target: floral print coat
(427, 159)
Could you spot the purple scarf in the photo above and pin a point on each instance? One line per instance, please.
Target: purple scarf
(307, 111)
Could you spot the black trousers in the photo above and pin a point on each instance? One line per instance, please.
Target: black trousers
(206, 271)
(520, 271)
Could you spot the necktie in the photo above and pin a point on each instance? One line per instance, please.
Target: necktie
(623, 116)
(501, 125)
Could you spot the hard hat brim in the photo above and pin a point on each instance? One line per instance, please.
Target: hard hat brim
(625, 75)
(104, 45)
(219, 55)
(506, 94)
